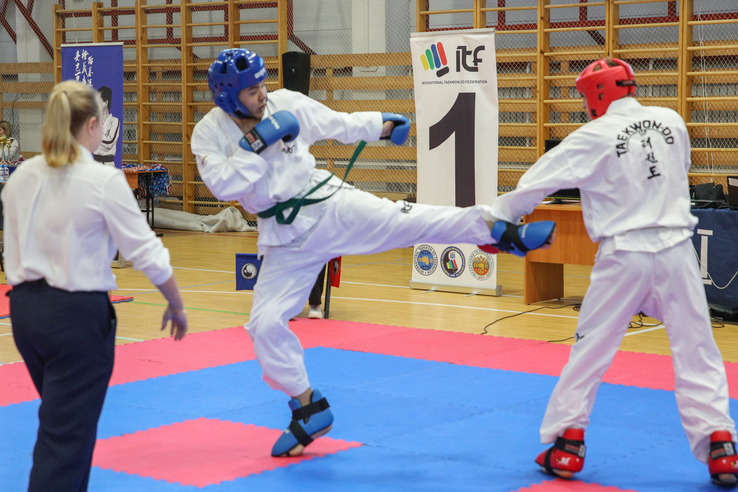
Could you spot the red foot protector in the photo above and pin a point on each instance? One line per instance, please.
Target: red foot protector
(202, 452)
(560, 485)
(566, 456)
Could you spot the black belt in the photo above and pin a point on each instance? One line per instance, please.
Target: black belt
(296, 203)
(103, 158)
(34, 283)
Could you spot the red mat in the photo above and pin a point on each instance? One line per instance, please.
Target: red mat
(209, 451)
(143, 360)
(530, 356)
(163, 357)
(560, 485)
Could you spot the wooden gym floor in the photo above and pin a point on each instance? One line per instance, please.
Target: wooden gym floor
(374, 289)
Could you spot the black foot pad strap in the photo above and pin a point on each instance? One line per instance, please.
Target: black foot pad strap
(571, 446)
(299, 433)
(310, 409)
(510, 237)
(303, 413)
(721, 449)
(547, 461)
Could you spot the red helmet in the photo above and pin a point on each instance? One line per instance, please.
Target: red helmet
(604, 81)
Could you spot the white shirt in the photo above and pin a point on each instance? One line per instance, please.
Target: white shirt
(282, 171)
(63, 225)
(631, 167)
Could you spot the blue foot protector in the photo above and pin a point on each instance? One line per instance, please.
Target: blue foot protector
(518, 240)
(308, 423)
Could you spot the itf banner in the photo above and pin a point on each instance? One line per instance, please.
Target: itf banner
(455, 75)
(100, 65)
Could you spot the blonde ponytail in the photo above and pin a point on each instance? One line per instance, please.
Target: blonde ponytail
(71, 104)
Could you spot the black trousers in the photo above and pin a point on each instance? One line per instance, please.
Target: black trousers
(67, 340)
(317, 291)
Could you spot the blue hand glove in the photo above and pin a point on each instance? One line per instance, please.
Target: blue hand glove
(518, 240)
(401, 130)
(282, 125)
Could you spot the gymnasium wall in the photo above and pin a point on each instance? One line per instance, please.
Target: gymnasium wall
(685, 55)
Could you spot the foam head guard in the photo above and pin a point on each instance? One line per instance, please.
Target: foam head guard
(604, 81)
(233, 70)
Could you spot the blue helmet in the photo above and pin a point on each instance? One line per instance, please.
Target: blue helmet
(233, 70)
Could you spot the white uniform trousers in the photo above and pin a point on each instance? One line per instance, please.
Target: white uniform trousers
(353, 222)
(664, 285)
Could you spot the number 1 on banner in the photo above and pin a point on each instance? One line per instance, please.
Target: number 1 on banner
(460, 121)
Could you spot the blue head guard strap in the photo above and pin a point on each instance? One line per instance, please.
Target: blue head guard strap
(233, 70)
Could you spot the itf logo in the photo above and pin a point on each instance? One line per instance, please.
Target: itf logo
(435, 58)
(467, 59)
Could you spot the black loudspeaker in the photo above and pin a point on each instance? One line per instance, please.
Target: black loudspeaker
(550, 144)
(296, 71)
(569, 193)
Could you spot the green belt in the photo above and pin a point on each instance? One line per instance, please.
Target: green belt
(296, 203)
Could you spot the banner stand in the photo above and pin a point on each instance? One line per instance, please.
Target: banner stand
(457, 118)
(496, 291)
(100, 66)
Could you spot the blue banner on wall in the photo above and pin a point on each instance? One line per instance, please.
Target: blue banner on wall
(715, 240)
(100, 65)
(247, 271)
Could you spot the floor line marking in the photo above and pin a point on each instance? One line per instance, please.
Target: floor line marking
(658, 327)
(203, 270)
(191, 308)
(365, 283)
(457, 306)
(375, 285)
(247, 292)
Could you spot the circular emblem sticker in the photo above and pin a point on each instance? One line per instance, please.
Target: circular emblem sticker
(481, 264)
(249, 271)
(453, 261)
(425, 259)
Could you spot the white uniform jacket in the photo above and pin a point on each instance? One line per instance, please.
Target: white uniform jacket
(631, 167)
(282, 171)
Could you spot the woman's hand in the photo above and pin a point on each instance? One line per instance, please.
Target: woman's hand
(178, 317)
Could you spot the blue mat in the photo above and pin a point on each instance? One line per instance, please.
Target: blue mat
(424, 425)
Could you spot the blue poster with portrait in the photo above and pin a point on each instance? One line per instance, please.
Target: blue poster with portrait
(100, 65)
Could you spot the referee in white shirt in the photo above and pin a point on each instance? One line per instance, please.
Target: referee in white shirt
(65, 217)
